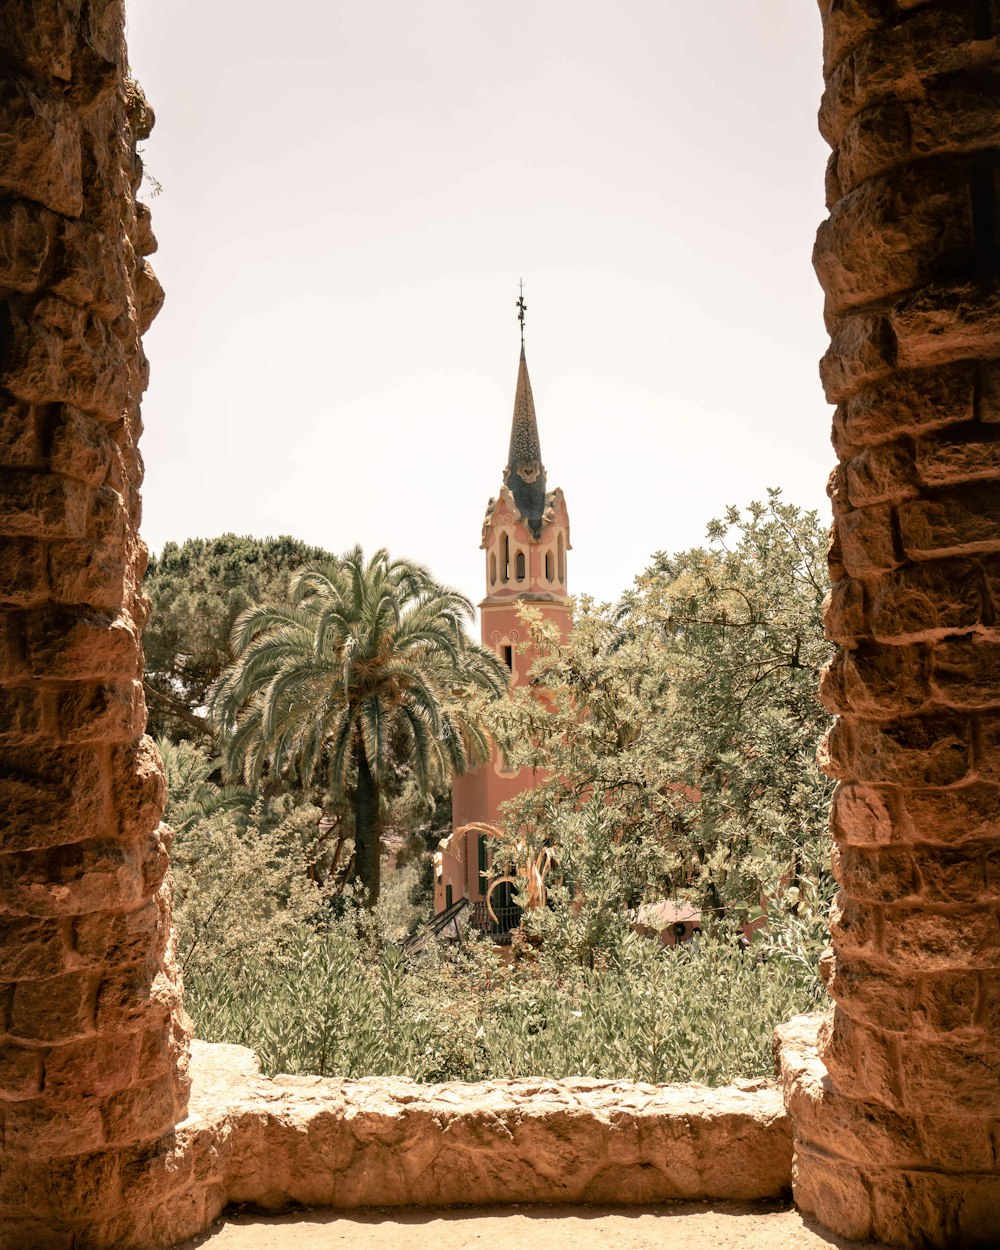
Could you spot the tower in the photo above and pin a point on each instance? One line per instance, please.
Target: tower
(525, 539)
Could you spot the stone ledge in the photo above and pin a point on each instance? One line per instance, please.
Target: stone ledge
(393, 1142)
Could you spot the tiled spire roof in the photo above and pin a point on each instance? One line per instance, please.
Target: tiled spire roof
(524, 475)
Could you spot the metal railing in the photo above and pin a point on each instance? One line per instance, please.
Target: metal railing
(507, 920)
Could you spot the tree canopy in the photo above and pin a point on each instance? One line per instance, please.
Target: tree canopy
(365, 663)
(198, 588)
(685, 721)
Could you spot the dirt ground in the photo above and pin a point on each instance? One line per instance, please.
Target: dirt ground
(688, 1226)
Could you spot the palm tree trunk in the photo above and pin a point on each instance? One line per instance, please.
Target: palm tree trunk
(367, 846)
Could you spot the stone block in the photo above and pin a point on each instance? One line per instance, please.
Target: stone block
(918, 1209)
(937, 40)
(955, 875)
(877, 875)
(140, 1113)
(152, 1172)
(882, 680)
(64, 354)
(77, 646)
(959, 938)
(940, 324)
(949, 1080)
(960, 521)
(20, 1071)
(897, 230)
(862, 352)
(855, 927)
(948, 1002)
(930, 750)
(954, 816)
(833, 1191)
(109, 516)
(52, 1128)
(149, 295)
(965, 673)
(947, 459)
(867, 541)
(69, 880)
(42, 505)
(844, 612)
(135, 996)
(987, 747)
(928, 601)
(22, 715)
(93, 1068)
(51, 796)
(27, 239)
(956, 1144)
(881, 473)
(101, 712)
(19, 443)
(869, 992)
(85, 1184)
(845, 24)
(112, 938)
(862, 815)
(875, 140)
(138, 788)
(23, 572)
(862, 1059)
(908, 402)
(40, 149)
(90, 272)
(31, 947)
(55, 1009)
(81, 447)
(88, 573)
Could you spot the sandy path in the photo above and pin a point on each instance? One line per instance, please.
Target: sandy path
(691, 1226)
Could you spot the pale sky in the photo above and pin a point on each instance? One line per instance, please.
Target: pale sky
(351, 191)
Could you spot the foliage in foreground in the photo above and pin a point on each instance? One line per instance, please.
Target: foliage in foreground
(348, 1002)
(687, 716)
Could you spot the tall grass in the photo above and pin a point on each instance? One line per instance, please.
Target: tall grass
(348, 1002)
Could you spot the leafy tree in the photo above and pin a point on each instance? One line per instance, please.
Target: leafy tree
(198, 589)
(688, 716)
(367, 662)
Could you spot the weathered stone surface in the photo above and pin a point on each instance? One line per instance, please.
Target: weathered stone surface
(40, 153)
(929, 601)
(93, 1060)
(896, 232)
(906, 403)
(396, 1143)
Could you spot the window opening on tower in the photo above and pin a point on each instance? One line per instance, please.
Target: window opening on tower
(519, 566)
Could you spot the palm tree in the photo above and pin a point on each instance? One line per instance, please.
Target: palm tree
(365, 659)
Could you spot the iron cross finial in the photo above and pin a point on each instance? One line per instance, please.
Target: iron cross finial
(522, 308)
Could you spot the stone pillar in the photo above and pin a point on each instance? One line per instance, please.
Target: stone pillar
(94, 1042)
(896, 1111)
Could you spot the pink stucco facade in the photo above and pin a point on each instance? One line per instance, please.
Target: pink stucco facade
(526, 541)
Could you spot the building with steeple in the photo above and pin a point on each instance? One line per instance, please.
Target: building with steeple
(525, 539)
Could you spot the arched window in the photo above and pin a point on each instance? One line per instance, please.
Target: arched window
(493, 568)
(549, 567)
(504, 556)
(519, 566)
(561, 547)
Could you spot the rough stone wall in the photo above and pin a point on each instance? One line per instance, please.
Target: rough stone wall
(897, 1117)
(92, 1038)
(392, 1142)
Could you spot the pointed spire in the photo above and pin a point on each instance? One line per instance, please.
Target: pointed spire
(525, 474)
